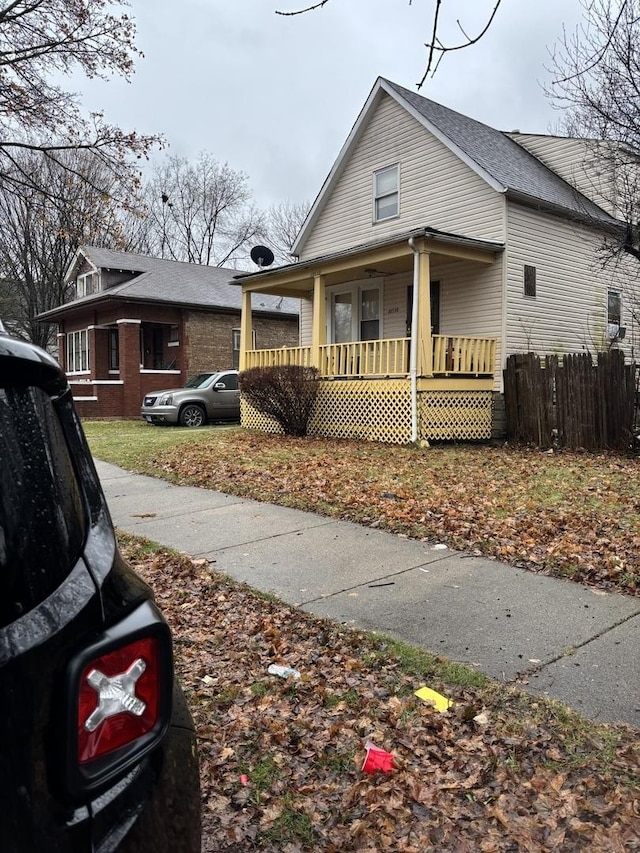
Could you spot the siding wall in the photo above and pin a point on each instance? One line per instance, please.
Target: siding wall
(436, 188)
(576, 161)
(568, 313)
(306, 321)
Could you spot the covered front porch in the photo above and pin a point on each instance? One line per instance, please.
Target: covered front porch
(389, 329)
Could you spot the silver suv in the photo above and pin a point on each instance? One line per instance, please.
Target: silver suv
(205, 397)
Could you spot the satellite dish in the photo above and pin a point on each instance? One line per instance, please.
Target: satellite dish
(262, 256)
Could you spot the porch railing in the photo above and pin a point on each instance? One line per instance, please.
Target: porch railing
(300, 356)
(465, 355)
(454, 355)
(388, 357)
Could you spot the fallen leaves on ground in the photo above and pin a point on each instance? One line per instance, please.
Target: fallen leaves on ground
(568, 514)
(281, 759)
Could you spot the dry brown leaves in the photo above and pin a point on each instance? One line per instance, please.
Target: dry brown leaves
(569, 514)
(281, 759)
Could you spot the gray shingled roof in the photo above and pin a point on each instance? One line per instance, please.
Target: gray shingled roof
(178, 283)
(514, 168)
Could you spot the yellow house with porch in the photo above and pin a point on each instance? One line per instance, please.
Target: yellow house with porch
(419, 268)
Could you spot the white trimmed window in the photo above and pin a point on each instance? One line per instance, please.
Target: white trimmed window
(614, 307)
(614, 314)
(386, 193)
(355, 314)
(78, 351)
(88, 282)
(235, 346)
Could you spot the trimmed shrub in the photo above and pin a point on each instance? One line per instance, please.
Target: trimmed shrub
(287, 394)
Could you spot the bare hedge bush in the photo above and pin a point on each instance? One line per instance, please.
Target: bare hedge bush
(287, 394)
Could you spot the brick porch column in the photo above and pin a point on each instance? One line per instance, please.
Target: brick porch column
(129, 349)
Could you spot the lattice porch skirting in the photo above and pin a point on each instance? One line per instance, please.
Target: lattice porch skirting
(380, 410)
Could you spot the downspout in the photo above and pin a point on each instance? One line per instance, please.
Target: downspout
(413, 347)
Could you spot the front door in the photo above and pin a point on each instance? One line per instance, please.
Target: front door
(435, 307)
(342, 317)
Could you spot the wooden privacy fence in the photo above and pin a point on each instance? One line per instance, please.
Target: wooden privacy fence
(570, 402)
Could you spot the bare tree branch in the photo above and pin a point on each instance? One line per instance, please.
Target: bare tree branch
(302, 11)
(40, 231)
(41, 41)
(435, 46)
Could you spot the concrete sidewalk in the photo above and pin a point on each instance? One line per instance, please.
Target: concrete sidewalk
(549, 636)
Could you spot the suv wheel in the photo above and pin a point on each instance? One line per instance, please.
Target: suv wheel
(192, 415)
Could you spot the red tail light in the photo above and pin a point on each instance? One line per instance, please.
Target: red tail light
(117, 702)
(119, 698)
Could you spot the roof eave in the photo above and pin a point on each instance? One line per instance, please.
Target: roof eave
(426, 232)
(100, 299)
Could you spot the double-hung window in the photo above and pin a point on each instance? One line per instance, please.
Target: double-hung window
(386, 193)
(614, 314)
(88, 282)
(614, 307)
(78, 351)
(114, 349)
(235, 346)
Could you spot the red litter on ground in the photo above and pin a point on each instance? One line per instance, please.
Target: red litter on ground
(377, 760)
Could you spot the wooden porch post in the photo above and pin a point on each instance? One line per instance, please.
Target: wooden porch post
(425, 349)
(319, 327)
(246, 329)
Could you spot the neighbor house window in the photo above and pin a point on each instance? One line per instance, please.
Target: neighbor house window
(386, 192)
(78, 351)
(88, 282)
(529, 280)
(114, 350)
(235, 346)
(614, 314)
(614, 307)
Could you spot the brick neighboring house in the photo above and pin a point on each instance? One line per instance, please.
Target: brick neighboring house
(141, 324)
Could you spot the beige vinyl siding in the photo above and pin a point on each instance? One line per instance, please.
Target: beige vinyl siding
(568, 313)
(579, 162)
(395, 305)
(436, 188)
(306, 322)
(471, 302)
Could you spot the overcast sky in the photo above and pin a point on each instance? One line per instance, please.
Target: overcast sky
(276, 97)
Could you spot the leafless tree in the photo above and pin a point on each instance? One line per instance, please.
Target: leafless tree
(596, 84)
(436, 48)
(41, 41)
(284, 222)
(201, 212)
(42, 225)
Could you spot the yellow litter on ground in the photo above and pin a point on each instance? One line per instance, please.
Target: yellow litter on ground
(440, 702)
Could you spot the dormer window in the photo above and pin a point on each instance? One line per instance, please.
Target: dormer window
(386, 193)
(88, 282)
